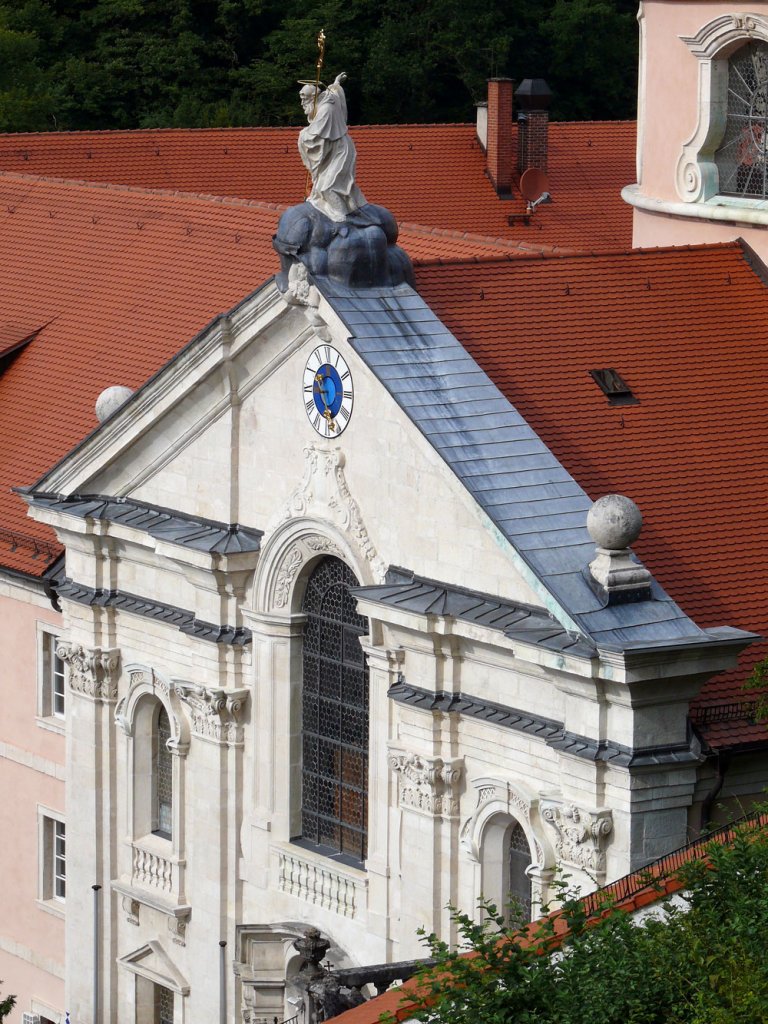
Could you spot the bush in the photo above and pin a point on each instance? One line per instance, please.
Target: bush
(702, 962)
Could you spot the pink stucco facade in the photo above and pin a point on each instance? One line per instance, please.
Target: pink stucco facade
(32, 788)
(680, 87)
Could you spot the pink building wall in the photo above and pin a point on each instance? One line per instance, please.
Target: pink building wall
(668, 114)
(31, 778)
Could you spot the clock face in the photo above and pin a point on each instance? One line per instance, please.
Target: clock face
(328, 392)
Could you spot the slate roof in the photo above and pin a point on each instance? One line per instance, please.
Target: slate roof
(516, 480)
(432, 175)
(688, 331)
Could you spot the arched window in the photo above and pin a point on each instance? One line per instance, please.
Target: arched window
(334, 715)
(741, 156)
(162, 776)
(517, 883)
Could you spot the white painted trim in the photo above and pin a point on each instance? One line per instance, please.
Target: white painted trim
(722, 209)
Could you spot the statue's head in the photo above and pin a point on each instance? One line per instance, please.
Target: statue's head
(307, 97)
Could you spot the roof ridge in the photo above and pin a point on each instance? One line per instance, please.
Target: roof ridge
(165, 193)
(111, 132)
(554, 253)
(471, 236)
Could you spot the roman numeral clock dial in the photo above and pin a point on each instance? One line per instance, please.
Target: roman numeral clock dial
(328, 391)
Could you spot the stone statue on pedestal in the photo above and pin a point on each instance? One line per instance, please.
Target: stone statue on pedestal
(328, 152)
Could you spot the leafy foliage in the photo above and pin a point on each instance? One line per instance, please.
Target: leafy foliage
(195, 63)
(6, 1005)
(703, 963)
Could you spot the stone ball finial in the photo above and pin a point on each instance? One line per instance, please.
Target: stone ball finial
(110, 400)
(614, 522)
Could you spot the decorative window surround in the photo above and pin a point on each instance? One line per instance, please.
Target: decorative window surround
(427, 784)
(697, 176)
(319, 881)
(134, 898)
(92, 672)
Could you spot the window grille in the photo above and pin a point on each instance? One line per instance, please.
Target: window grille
(334, 715)
(519, 884)
(741, 158)
(162, 777)
(163, 1005)
(59, 860)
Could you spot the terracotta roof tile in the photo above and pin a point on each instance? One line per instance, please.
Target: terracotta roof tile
(687, 329)
(121, 278)
(426, 174)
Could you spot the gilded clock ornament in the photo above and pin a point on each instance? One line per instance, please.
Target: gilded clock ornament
(328, 391)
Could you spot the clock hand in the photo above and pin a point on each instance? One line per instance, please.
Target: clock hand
(326, 412)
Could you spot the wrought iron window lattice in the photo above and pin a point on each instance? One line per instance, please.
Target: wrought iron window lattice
(519, 884)
(334, 715)
(742, 155)
(163, 778)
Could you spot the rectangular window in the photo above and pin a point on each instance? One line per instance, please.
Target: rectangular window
(59, 865)
(52, 688)
(52, 859)
(163, 1005)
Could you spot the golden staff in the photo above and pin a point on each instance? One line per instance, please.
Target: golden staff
(319, 66)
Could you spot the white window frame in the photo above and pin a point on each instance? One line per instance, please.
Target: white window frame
(51, 824)
(51, 699)
(697, 176)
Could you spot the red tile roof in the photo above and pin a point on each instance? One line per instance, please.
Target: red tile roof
(121, 278)
(432, 175)
(687, 329)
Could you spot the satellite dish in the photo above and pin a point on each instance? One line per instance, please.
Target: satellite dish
(533, 183)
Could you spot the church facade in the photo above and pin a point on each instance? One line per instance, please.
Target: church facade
(345, 643)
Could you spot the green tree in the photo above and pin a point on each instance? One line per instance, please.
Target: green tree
(703, 963)
(6, 1005)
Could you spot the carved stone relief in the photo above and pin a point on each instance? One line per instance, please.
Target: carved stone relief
(427, 784)
(215, 714)
(324, 495)
(92, 672)
(580, 835)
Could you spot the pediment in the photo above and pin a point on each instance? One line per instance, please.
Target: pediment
(151, 961)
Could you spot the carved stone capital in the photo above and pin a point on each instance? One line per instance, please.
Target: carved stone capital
(215, 714)
(427, 784)
(92, 672)
(580, 835)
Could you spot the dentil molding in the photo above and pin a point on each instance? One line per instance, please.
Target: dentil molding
(92, 672)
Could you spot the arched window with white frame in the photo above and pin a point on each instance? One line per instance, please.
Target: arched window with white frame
(741, 155)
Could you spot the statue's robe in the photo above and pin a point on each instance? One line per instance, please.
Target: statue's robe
(329, 155)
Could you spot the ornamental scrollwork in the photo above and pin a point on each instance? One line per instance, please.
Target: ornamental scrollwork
(92, 672)
(580, 835)
(215, 714)
(427, 784)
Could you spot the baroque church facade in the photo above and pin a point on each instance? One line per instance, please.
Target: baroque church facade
(345, 643)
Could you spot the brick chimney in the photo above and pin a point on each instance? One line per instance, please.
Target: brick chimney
(533, 99)
(499, 134)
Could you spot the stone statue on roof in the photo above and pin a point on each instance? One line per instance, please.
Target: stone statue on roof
(328, 152)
